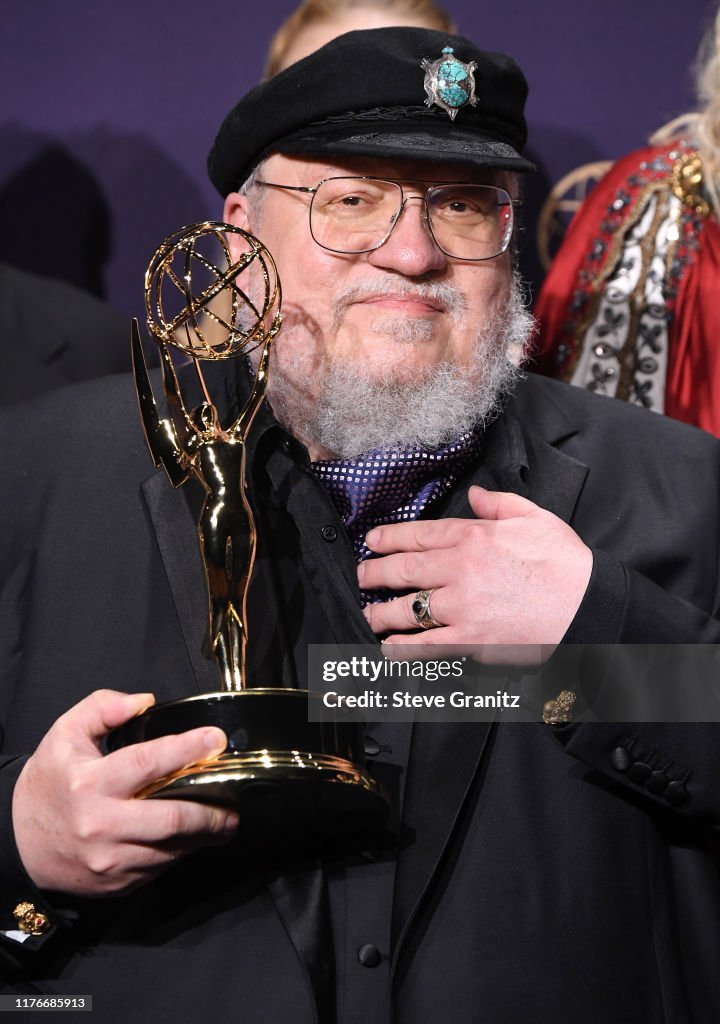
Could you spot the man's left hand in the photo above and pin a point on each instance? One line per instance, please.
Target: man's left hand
(514, 575)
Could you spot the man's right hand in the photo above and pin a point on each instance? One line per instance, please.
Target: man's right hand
(79, 828)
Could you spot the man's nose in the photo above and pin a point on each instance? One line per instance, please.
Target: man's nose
(411, 248)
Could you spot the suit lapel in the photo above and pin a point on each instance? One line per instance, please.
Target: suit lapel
(526, 463)
(443, 762)
(301, 900)
(177, 541)
(554, 480)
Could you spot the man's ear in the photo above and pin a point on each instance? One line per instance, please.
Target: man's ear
(236, 211)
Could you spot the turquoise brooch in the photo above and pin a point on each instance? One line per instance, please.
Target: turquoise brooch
(449, 82)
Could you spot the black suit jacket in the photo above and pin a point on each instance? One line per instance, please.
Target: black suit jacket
(53, 334)
(533, 880)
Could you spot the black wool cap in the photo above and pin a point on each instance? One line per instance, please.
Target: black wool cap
(363, 94)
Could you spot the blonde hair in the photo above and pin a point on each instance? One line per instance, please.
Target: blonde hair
(311, 12)
(703, 124)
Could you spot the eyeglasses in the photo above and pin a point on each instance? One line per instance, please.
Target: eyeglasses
(358, 214)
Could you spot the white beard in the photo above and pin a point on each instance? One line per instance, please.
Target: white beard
(352, 413)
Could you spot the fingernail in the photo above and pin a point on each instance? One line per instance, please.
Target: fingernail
(361, 572)
(231, 822)
(214, 740)
(371, 537)
(145, 700)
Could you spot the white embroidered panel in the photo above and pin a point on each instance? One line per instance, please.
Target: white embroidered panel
(598, 367)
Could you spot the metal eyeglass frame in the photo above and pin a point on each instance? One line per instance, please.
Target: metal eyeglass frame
(313, 190)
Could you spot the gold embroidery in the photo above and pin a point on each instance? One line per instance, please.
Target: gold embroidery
(687, 183)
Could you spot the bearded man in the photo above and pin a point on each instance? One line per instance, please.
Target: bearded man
(406, 476)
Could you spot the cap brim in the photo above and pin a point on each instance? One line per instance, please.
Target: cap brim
(404, 141)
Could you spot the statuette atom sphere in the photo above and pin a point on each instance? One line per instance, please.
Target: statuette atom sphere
(212, 291)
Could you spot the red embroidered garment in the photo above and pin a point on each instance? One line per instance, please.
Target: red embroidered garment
(630, 307)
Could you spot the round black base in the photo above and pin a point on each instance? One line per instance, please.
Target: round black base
(280, 771)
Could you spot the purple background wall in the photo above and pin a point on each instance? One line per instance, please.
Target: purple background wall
(107, 109)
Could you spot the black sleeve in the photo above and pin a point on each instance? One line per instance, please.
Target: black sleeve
(621, 606)
(653, 657)
(17, 887)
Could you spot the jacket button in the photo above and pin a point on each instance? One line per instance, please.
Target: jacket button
(676, 793)
(657, 782)
(372, 747)
(369, 956)
(620, 759)
(639, 771)
(329, 533)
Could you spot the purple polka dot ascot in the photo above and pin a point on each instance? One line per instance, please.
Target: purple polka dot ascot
(392, 487)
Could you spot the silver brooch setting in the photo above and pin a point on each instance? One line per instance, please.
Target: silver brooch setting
(449, 82)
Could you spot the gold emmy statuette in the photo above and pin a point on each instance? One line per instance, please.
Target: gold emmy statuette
(279, 768)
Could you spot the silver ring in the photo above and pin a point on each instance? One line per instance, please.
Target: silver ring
(422, 611)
